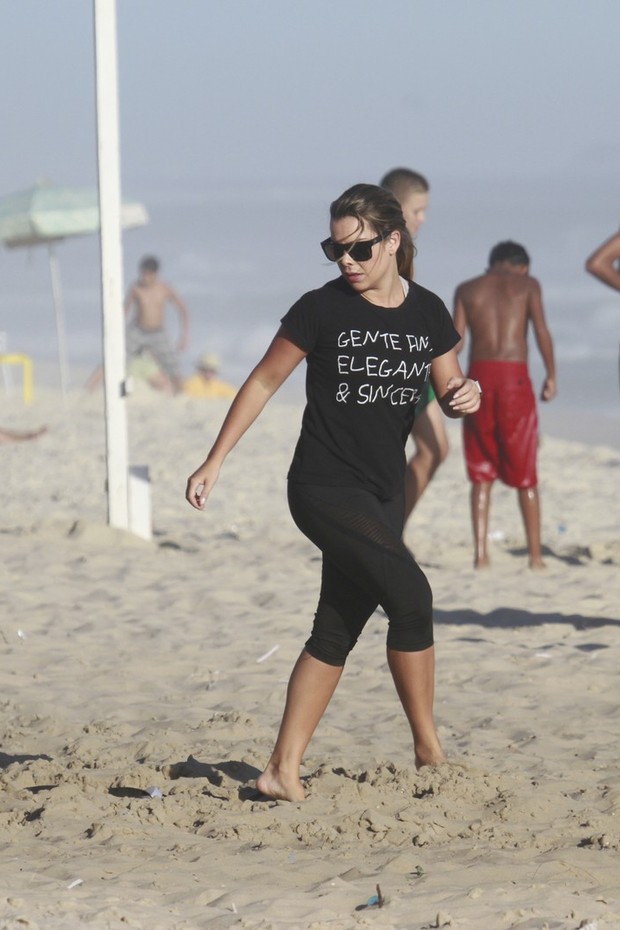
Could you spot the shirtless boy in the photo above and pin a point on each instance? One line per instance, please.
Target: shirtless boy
(150, 296)
(429, 433)
(501, 439)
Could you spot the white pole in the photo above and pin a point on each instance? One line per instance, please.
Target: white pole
(59, 310)
(108, 152)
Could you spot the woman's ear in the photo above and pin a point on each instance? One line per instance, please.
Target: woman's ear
(393, 241)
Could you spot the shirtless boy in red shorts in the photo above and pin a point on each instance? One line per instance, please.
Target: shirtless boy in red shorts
(501, 439)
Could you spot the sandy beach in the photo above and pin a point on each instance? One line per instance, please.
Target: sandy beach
(144, 682)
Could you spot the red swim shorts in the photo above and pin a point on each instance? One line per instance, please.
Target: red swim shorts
(501, 438)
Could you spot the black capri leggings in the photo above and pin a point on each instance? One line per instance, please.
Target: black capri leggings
(365, 564)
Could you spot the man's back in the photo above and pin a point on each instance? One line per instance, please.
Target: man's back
(496, 308)
(500, 440)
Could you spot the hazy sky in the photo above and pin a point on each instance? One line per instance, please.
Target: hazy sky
(321, 90)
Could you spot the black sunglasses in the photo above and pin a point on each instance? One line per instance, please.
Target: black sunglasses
(360, 251)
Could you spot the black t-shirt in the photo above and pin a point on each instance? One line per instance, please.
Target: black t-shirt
(366, 367)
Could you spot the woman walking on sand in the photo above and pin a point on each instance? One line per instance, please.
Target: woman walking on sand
(370, 339)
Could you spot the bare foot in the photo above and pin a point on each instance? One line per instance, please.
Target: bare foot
(537, 564)
(274, 784)
(482, 562)
(431, 761)
(432, 754)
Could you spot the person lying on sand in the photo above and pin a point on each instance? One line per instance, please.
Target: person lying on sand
(12, 435)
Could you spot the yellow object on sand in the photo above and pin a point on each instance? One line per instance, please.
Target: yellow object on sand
(17, 358)
(198, 386)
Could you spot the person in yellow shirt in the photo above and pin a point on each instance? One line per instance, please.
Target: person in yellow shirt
(205, 382)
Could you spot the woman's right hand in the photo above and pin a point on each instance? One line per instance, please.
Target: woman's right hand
(200, 484)
(281, 358)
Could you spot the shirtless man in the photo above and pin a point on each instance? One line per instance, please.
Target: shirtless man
(604, 263)
(429, 433)
(150, 296)
(501, 439)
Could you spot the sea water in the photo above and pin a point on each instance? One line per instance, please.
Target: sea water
(240, 255)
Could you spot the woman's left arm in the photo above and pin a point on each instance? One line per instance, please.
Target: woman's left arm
(457, 395)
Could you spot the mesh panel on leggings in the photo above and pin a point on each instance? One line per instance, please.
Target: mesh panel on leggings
(365, 563)
(358, 524)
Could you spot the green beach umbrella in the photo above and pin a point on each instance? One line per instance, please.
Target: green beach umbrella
(45, 214)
